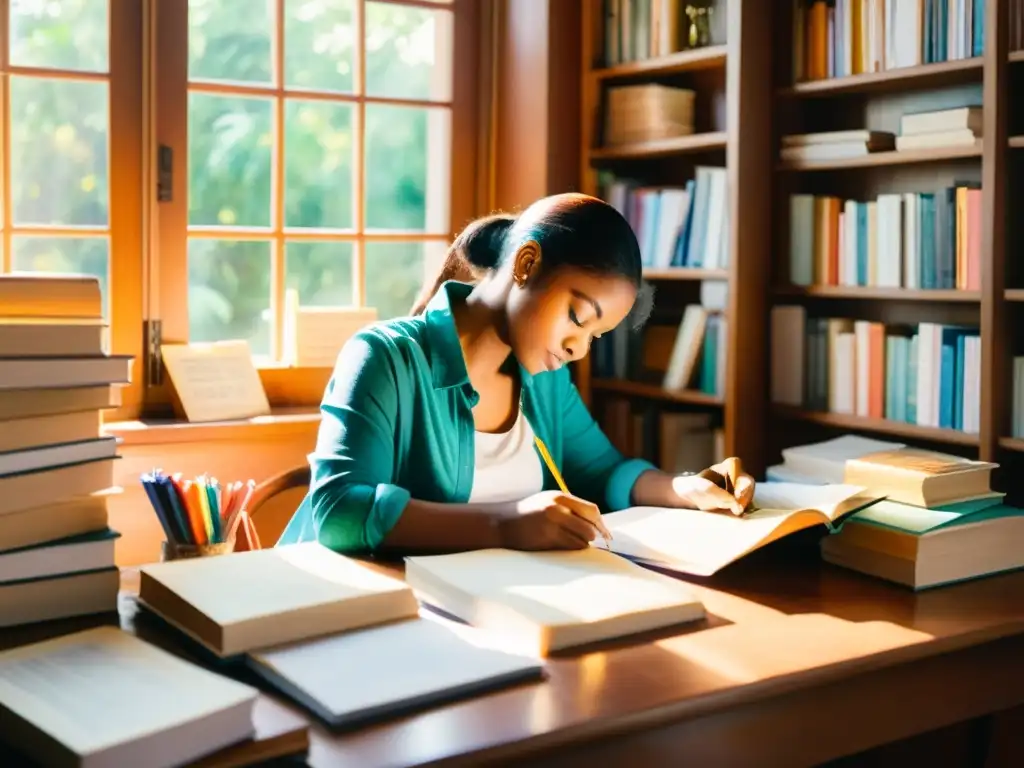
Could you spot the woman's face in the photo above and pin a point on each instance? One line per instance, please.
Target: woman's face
(556, 314)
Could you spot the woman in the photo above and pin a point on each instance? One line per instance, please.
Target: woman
(427, 437)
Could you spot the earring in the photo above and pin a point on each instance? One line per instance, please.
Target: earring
(519, 277)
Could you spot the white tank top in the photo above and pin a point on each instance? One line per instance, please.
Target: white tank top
(507, 465)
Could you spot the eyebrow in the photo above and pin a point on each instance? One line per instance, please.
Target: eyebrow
(582, 295)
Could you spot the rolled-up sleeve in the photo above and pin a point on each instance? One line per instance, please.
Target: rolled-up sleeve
(354, 501)
(593, 468)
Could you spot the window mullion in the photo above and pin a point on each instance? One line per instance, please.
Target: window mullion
(278, 282)
(359, 161)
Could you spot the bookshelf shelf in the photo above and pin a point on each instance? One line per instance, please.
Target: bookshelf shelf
(681, 145)
(711, 57)
(686, 273)
(1015, 294)
(1012, 444)
(881, 159)
(942, 73)
(870, 293)
(655, 392)
(879, 426)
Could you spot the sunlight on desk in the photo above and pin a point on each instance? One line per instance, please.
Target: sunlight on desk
(748, 653)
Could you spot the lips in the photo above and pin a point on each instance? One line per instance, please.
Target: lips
(554, 362)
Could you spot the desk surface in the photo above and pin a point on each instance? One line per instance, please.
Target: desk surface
(775, 625)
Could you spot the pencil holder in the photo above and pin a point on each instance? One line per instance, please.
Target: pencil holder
(171, 551)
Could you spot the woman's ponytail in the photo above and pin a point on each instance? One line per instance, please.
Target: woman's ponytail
(477, 249)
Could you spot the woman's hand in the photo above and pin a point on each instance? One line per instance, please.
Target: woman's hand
(705, 491)
(550, 520)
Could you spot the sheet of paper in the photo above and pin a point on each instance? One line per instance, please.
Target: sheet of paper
(215, 382)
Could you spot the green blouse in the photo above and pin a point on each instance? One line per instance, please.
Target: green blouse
(397, 423)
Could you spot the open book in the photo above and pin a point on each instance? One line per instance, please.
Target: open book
(702, 543)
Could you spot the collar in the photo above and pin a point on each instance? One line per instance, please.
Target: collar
(447, 363)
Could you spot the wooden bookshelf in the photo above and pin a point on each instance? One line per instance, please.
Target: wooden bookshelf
(655, 392)
(732, 118)
(710, 57)
(876, 101)
(893, 429)
(941, 73)
(879, 159)
(683, 145)
(874, 293)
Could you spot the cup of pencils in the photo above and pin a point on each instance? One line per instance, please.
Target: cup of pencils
(201, 516)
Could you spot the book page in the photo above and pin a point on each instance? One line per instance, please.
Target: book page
(702, 543)
(95, 689)
(216, 381)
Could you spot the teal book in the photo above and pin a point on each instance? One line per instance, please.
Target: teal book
(924, 548)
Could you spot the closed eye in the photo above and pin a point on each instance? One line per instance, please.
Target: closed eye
(573, 316)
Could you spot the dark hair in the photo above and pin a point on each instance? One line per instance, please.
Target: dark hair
(572, 230)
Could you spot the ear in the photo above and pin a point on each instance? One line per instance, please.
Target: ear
(526, 262)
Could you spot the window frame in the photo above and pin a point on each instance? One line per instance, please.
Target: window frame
(125, 169)
(287, 386)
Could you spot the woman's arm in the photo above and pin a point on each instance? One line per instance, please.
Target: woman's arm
(596, 470)
(356, 505)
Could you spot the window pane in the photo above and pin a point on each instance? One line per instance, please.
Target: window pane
(230, 145)
(395, 272)
(75, 255)
(408, 52)
(319, 50)
(58, 151)
(229, 292)
(59, 34)
(320, 272)
(230, 40)
(318, 164)
(408, 168)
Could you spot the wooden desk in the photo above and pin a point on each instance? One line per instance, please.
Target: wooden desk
(800, 663)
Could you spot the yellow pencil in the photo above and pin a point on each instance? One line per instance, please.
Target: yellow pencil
(561, 483)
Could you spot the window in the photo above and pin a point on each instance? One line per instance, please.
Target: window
(71, 150)
(313, 161)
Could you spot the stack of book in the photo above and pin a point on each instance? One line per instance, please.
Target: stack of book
(940, 521)
(56, 467)
(958, 127)
(1017, 426)
(835, 145)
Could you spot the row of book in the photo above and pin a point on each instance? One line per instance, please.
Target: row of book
(690, 356)
(56, 466)
(678, 226)
(642, 29)
(673, 440)
(838, 38)
(939, 523)
(928, 374)
(921, 240)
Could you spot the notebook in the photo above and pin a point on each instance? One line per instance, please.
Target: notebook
(354, 678)
(103, 698)
(544, 601)
(702, 543)
(244, 601)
